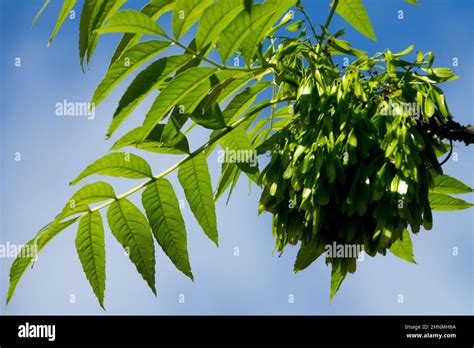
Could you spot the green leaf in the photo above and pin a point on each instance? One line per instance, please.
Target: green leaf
(46, 3)
(208, 113)
(186, 13)
(154, 9)
(119, 164)
(336, 280)
(271, 11)
(243, 26)
(238, 144)
(167, 224)
(439, 72)
(130, 21)
(306, 256)
(67, 7)
(175, 143)
(228, 172)
(102, 12)
(90, 245)
(85, 28)
(237, 84)
(429, 108)
(439, 201)
(296, 26)
(192, 85)
(405, 51)
(197, 60)
(202, 104)
(449, 185)
(128, 62)
(210, 117)
(146, 81)
(92, 193)
(235, 179)
(72, 210)
(173, 93)
(215, 19)
(196, 181)
(131, 228)
(244, 100)
(29, 252)
(353, 11)
(413, 2)
(403, 248)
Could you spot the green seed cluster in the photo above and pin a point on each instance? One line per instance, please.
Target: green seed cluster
(344, 172)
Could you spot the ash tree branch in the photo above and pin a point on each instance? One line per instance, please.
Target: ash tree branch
(451, 130)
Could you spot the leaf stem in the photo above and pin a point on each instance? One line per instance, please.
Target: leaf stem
(331, 15)
(328, 22)
(313, 30)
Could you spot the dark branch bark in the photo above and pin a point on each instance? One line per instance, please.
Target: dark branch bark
(451, 130)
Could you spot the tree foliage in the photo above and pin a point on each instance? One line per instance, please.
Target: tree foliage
(341, 171)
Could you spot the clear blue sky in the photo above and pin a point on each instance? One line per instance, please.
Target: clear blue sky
(54, 150)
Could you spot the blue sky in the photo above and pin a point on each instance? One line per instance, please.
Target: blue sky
(54, 150)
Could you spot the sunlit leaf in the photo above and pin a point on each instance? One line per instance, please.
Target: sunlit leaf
(439, 201)
(154, 9)
(186, 13)
(130, 21)
(29, 252)
(117, 164)
(131, 228)
(90, 245)
(196, 182)
(448, 185)
(403, 248)
(353, 11)
(66, 8)
(167, 224)
(215, 19)
(128, 62)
